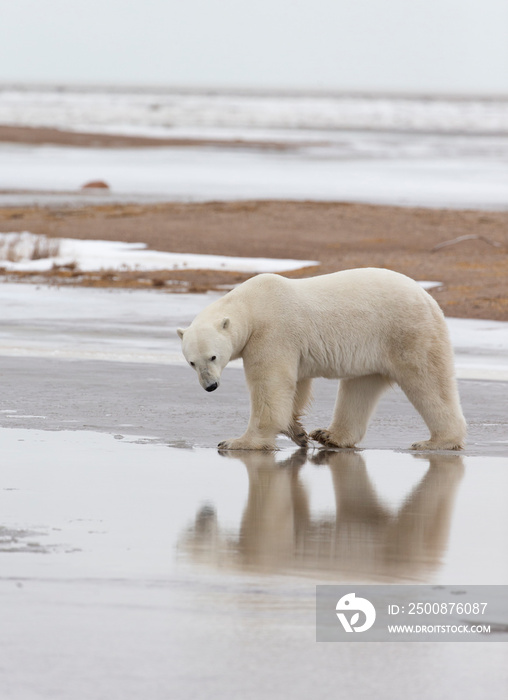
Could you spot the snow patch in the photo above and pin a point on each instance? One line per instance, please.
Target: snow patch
(37, 253)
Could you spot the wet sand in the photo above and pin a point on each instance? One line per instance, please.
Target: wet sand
(166, 404)
(62, 137)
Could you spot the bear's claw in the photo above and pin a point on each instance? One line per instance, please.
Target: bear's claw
(297, 433)
(325, 438)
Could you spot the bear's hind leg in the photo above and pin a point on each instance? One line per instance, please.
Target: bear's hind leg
(437, 401)
(296, 431)
(356, 401)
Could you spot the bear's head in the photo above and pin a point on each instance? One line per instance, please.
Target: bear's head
(207, 347)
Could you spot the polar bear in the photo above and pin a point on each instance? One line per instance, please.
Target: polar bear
(367, 327)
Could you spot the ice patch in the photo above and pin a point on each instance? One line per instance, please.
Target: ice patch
(239, 114)
(475, 180)
(140, 326)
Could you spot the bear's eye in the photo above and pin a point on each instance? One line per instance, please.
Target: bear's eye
(191, 364)
(213, 358)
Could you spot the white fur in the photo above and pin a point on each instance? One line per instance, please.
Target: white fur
(368, 327)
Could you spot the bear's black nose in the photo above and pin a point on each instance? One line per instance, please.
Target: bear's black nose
(212, 387)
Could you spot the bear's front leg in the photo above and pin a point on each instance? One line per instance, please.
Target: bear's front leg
(271, 396)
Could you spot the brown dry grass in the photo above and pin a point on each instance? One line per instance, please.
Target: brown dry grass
(340, 236)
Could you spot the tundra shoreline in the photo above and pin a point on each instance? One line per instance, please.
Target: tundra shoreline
(464, 250)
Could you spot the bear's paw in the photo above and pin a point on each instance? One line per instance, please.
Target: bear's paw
(437, 445)
(326, 438)
(298, 434)
(245, 444)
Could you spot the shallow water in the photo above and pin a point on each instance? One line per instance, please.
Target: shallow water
(104, 506)
(131, 566)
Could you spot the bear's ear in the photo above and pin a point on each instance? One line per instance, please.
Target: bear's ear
(225, 323)
(180, 332)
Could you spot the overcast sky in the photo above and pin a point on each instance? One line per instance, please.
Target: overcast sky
(416, 46)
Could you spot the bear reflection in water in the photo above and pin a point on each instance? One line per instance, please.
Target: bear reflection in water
(362, 538)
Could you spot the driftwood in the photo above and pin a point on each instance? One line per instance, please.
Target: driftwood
(461, 239)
